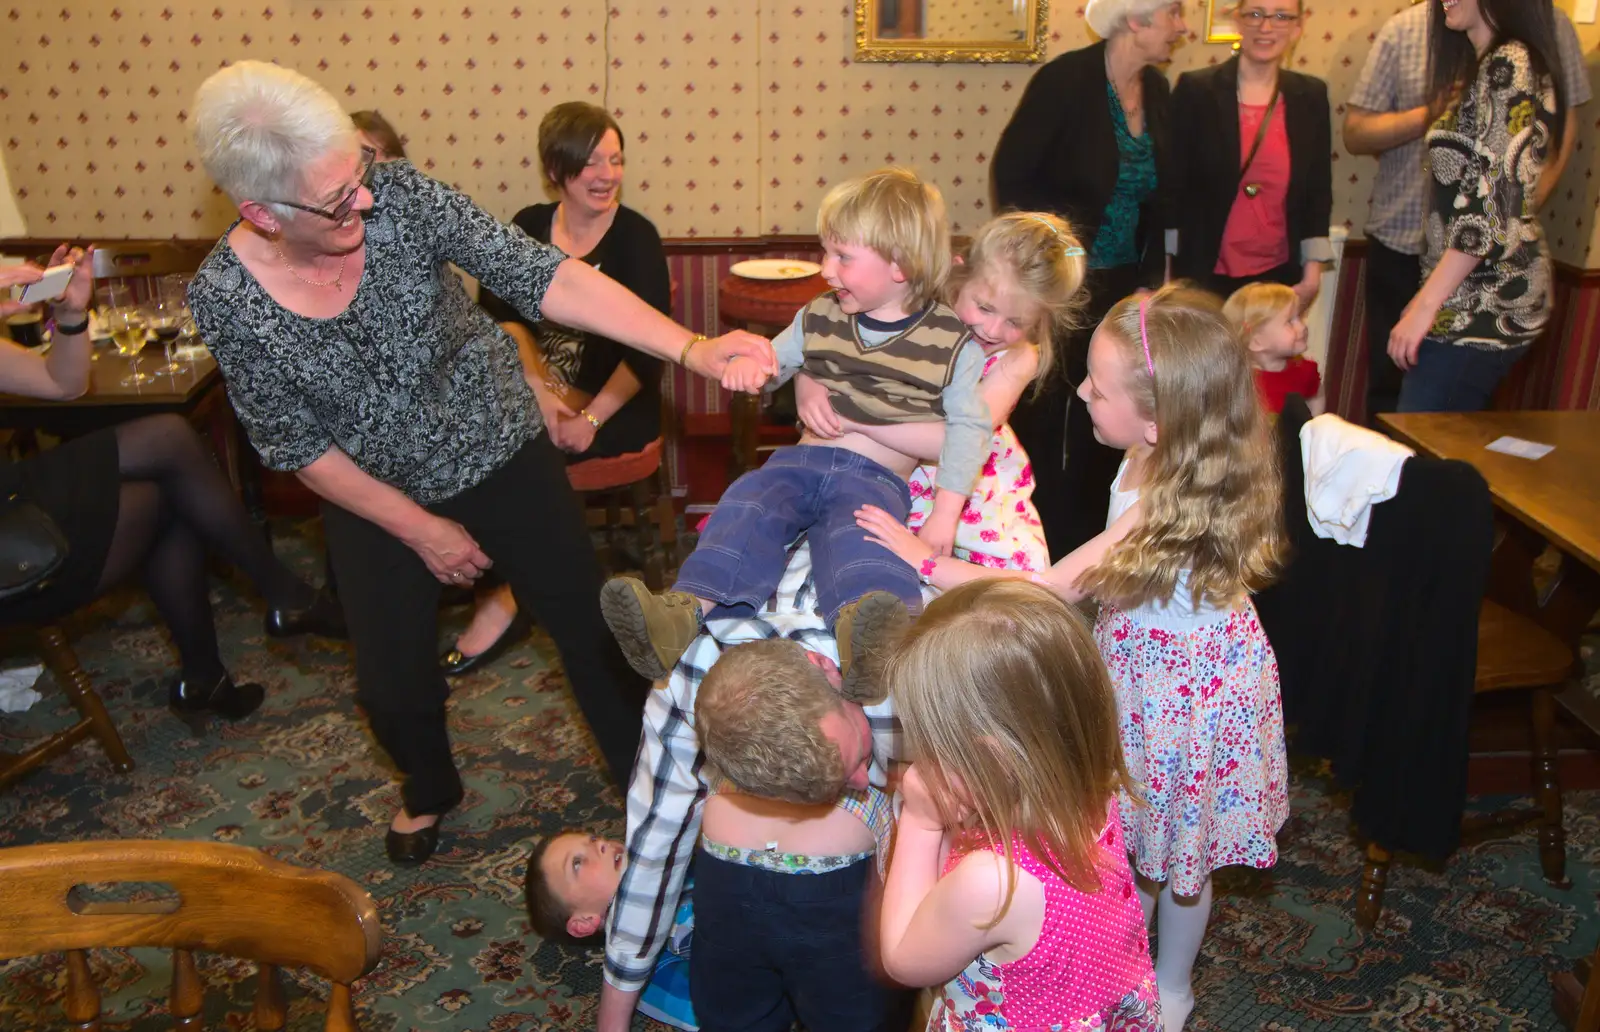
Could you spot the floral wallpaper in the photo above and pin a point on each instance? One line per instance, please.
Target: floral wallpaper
(737, 112)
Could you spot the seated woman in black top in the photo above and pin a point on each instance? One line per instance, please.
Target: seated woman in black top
(599, 398)
(143, 496)
(1270, 221)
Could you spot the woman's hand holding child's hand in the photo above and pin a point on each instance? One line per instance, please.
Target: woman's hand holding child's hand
(744, 375)
(816, 408)
(889, 532)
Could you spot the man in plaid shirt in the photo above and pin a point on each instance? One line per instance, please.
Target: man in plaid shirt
(1387, 117)
(668, 792)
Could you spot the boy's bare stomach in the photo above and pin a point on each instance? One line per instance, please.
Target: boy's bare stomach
(745, 822)
(903, 465)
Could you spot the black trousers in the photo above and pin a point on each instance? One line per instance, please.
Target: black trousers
(1072, 471)
(1287, 274)
(526, 518)
(1393, 279)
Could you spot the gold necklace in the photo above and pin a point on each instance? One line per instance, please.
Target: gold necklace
(335, 283)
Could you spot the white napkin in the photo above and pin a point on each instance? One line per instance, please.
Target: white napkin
(1349, 469)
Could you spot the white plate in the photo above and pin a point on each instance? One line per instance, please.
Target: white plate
(775, 269)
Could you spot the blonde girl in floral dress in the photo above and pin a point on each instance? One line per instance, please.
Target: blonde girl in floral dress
(1195, 527)
(1018, 287)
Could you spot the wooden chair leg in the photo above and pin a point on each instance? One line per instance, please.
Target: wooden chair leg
(271, 1012)
(82, 1004)
(341, 1012)
(1374, 879)
(646, 536)
(186, 992)
(613, 528)
(63, 663)
(1547, 785)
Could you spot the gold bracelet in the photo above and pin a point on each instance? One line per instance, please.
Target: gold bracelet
(586, 414)
(683, 358)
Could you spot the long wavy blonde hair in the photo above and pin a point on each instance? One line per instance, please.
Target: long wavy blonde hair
(1212, 493)
(1001, 690)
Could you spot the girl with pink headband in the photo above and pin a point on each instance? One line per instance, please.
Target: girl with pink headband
(1194, 528)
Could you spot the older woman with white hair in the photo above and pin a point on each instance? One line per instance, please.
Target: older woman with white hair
(1090, 142)
(354, 358)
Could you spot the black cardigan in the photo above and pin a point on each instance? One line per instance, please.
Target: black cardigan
(1205, 121)
(1059, 152)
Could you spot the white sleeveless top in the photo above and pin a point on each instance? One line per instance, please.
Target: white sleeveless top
(1179, 612)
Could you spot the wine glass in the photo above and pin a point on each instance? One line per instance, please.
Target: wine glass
(128, 334)
(165, 318)
(109, 297)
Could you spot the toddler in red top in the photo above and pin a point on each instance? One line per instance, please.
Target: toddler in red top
(1267, 316)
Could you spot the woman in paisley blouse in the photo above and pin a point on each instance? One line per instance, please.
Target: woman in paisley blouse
(1495, 77)
(354, 357)
(1090, 142)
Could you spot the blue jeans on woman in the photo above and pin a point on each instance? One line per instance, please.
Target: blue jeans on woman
(1455, 377)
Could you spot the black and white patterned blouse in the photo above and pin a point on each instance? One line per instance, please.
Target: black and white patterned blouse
(1485, 156)
(413, 381)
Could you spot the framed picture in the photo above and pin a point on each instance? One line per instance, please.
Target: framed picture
(1219, 25)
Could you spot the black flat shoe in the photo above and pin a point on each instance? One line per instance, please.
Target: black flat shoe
(324, 618)
(411, 847)
(194, 705)
(455, 662)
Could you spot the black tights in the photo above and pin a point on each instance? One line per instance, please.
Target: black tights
(174, 505)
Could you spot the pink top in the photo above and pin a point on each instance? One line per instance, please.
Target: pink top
(1092, 959)
(1256, 238)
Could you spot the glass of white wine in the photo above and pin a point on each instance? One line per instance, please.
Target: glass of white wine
(128, 334)
(165, 317)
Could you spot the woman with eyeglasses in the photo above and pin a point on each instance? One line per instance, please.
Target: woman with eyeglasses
(355, 358)
(1497, 119)
(1253, 144)
(1090, 141)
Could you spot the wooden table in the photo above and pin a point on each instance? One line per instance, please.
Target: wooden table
(196, 393)
(760, 306)
(1553, 500)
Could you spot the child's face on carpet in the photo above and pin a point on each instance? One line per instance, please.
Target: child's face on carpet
(583, 871)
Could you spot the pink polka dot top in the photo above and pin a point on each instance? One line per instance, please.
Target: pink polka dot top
(1090, 968)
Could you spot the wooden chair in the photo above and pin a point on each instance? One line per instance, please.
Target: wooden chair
(139, 261)
(230, 900)
(63, 664)
(634, 500)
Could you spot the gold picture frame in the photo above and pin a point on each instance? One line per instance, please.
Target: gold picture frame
(870, 46)
(1220, 29)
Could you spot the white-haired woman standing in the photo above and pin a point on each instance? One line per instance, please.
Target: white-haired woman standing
(1090, 142)
(354, 357)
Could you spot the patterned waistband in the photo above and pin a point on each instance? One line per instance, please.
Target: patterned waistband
(783, 863)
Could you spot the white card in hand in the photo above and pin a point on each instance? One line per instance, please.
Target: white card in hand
(1520, 448)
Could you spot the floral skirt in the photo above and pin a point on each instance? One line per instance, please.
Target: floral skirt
(1202, 734)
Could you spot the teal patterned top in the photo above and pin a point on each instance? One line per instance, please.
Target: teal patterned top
(1117, 241)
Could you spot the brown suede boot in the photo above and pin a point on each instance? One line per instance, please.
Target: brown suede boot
(867, 631)
(653, 630)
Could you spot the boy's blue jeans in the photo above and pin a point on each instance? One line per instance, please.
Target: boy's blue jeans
(804, 489)
(769, 948)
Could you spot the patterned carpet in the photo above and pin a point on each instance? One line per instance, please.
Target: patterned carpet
(1468, 948)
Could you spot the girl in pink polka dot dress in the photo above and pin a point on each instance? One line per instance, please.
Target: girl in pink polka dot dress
(1009, 883)
(1195, 526)
(1017, 287)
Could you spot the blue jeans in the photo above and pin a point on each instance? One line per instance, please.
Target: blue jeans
(803, 489)
(769, 948)
(1454, 377)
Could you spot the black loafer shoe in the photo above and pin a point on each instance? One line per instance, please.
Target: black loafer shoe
(194, 705)
(324, 618)
(455, 662)
(412, 847)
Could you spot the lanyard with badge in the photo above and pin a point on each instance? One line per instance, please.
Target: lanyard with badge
(1252, 189)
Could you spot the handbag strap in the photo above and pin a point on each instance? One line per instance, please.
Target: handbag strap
(1261, 130)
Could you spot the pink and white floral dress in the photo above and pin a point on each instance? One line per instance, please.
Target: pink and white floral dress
(999, 527)
(1201, 718)
(1089, 970)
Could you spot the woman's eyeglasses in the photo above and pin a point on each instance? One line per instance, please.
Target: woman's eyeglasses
(1278, 19)
(339, 212)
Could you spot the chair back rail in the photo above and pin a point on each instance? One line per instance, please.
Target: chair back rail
(230, 900)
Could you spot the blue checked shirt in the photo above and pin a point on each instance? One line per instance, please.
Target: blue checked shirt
(668, 790)
(1395, 78)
